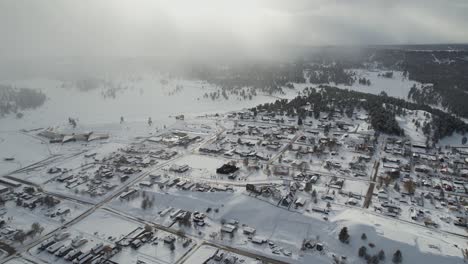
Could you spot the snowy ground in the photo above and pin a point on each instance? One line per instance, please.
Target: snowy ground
(397, 86)
(205, 252)
(408, 124)
(142, 99)
(13, 145)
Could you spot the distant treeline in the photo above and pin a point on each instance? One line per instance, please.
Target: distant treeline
(335, 73)
(13, 100)
(266, 78)
(270, 78)
(446, 70)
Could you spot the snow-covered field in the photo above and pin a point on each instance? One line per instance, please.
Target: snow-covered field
(409, 124)
(14, 145)
(144, 98)
(397, 86)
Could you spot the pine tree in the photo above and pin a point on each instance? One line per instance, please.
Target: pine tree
(19, 236)
(362, 251)
(373, 260)
(344, 236)
(364, 236)
(381, 255)
(397, 257)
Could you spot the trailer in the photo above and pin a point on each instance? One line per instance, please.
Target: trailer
(74, 253)
(165, 211)
(97, 248)
(63, 251)
(81, 257)
(85, 259)
(54, 248)
(46, 244)
(175, 213)
(79, 242)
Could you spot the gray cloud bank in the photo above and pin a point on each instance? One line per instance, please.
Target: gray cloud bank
(220, 28)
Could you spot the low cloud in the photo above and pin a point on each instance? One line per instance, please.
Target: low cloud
(94, 28)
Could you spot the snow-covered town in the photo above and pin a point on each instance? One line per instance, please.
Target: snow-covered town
(242, 186)
(233, 132)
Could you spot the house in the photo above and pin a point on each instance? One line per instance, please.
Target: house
(68, 138)
(179, 168)
(281, 170)
(336, 183)
(249, 231)
(300, 201)
(9, 182)
(464, 173)
(382, 194)
(246, 153)
(419, 145)
(258, 240)
(128, 194)
(146, 184)
(314, 179)
(273, 147)
(165, 211)
(228, 228)
(170, 239)
(124, 177)
(4, 189)
(221, 188)
(211, 149)
(319, 246)
(181, 183)
(219, 255)
(261, 156)
(299, 163)
(175, 213)
(50, 134)
(422, 168)
(252, 188)
(352, 201)
(288, 199)
(155, 177)
(97, 136)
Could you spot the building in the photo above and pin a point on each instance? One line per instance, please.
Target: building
(227, 169)
(250, 231)
(179, 168)
(228, 228)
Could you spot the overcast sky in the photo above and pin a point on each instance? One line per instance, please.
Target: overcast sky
(159, 27)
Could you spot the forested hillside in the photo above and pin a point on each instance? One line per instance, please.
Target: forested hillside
(13, 100)
(382, 110)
